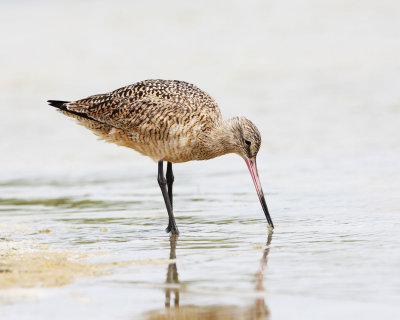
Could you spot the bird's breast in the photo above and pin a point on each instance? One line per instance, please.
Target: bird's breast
(174, 142)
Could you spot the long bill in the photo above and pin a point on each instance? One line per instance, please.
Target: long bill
(252, 165)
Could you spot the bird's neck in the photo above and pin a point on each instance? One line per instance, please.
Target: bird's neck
(219, 140)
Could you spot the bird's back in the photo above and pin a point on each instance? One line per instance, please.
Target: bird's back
(164, 119)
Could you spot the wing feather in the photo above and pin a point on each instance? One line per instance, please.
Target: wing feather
(149, 102)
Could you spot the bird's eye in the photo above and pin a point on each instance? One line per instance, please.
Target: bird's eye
(247, 142)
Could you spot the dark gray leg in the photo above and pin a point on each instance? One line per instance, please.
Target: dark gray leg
(170, 181)
(163, 185)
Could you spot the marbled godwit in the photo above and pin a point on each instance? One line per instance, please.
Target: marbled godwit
(171, 121)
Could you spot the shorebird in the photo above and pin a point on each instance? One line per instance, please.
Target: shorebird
(168, 120)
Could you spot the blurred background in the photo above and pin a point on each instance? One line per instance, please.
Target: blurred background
(316, 77)
(320, 79)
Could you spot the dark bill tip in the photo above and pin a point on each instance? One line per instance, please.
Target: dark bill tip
(252, 165)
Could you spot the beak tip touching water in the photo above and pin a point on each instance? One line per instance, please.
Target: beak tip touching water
(252, 165)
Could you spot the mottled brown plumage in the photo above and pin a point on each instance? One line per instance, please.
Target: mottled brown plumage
(171, 121)
(166, 120)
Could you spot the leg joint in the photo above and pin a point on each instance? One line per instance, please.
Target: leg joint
(162, 181)
(170, 176)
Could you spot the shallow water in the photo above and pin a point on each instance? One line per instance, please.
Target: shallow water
(320, 82)
(332, 247)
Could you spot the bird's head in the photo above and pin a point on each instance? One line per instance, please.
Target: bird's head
(247, 142)
(246, 136)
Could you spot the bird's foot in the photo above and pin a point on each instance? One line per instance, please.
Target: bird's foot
(171, 229)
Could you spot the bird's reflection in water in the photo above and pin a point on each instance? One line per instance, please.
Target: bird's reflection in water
(172, 275)
(173, 311)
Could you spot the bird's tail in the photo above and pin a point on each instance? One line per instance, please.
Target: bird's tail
(58, 104)
(62, 106)
(99, 128)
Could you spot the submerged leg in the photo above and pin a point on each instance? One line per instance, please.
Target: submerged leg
(170, 181)
(163, 185)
